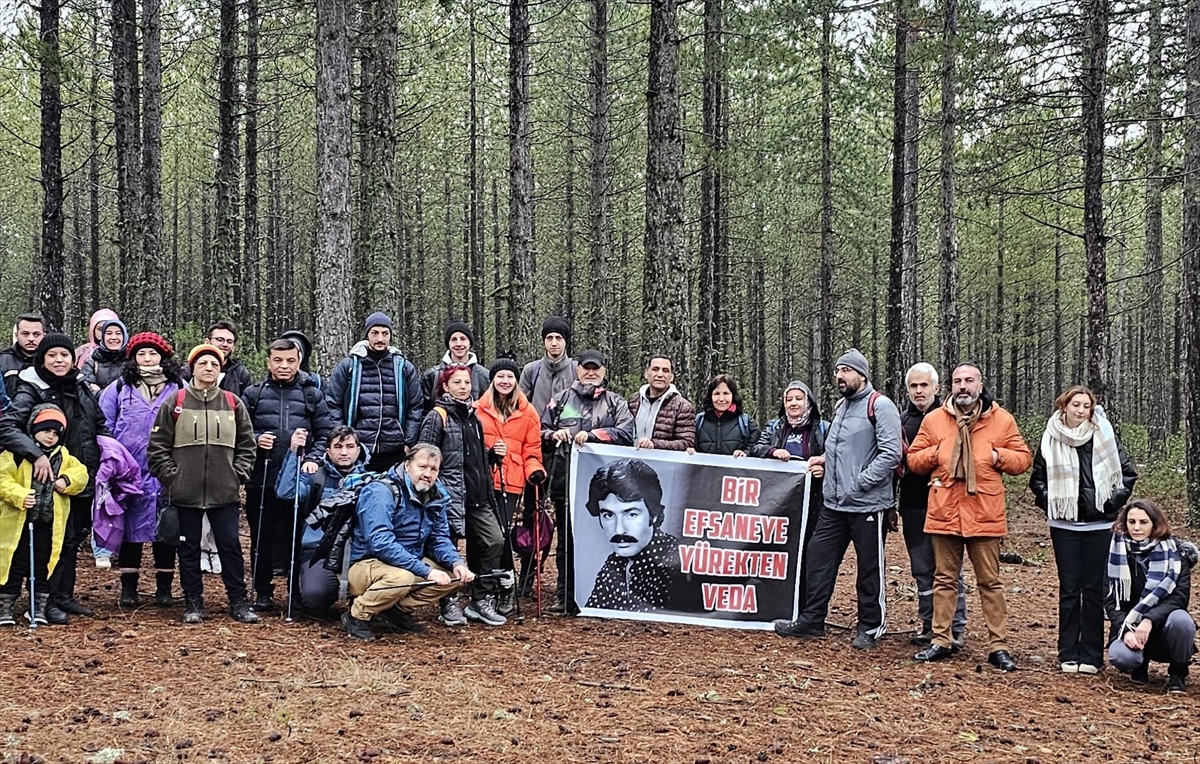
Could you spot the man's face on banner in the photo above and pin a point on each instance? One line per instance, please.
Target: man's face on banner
(627, 523)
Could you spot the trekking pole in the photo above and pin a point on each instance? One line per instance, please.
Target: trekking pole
(295, 531)
(32, 576)
(568, 540)
(496, 573)
(535, 559)
(507, 525)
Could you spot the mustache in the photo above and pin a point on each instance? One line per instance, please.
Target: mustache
(621, 538)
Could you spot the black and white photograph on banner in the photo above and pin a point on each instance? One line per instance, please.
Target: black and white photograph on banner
(702, 539)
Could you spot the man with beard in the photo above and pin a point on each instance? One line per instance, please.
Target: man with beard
(28, 331)
(460, 349)
(966, 447)
(862, 451)
(642, 574)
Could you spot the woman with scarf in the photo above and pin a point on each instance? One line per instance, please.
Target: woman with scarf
(1082, 478)
(722, 426)
(105, 364)
(798, 433)
(1149, 586)
(149, 379)
(53, 378)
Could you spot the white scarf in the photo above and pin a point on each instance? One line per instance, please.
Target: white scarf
(1062, 463)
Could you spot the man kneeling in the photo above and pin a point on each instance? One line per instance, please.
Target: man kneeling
(401, 549)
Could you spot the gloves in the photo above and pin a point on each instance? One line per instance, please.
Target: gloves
(538, 477)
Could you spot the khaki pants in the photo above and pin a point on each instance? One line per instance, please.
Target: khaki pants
(985, 559)
(377, 586)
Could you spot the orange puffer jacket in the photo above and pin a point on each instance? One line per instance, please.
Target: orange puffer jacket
(522, 434)
(952, 511)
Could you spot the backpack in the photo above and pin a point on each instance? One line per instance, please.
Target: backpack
(230, 398)
(900, 469)
(335, 517)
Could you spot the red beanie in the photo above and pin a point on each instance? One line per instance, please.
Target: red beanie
(148, 340)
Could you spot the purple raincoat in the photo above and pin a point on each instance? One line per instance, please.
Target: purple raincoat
(130, 418)
(118, 483)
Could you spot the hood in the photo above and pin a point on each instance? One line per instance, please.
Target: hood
(814, 405)
(671, 390)
(103, 314)
(472, 359)
(30, 375)
(1188, 552)
(119, 353)
(361, 348)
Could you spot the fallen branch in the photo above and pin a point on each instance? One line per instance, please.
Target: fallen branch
(610, 686)
(291, 682)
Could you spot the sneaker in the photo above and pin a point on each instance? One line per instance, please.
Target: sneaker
(923, 639)
(241, 612)
(1176, 684)
(7, 604)
(104, 563)
(864, 641)
(1069, 667)
(452, 614)
(398, 621)
(799, 629)
(1087, 668)
(506, 602)
(357, 629)
(1140, 675)
(484, 611)
(193, 610)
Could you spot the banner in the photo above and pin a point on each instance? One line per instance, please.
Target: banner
(700, 539)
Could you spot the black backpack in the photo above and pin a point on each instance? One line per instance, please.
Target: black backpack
(335, 516)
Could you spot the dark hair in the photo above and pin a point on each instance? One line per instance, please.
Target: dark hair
(439, 388)
(223, 324)
(342, 432)
(727, 380)
(628, 480)
(1160, 528)
(170, 366)
(284, 345)
(1060, 403)
(666, 358)
(29, 318)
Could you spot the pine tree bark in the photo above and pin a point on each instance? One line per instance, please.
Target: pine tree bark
(475, 199)
(226, 263)
(599, 179)
(1191, 260)
(901, 249)
(522, 292)
(824, 346)
(1092, 80)
(251, 299)
(1155, 396)
(94, 167)
(126, 151)
(665, 313)
(711, 355)
(948, 280)
(332, 298)
(152, 265)
(50, 80)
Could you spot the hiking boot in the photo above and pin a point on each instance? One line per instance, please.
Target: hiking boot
(922, 639)
(506, 601)
(129, 590)
(72, 606)
(397, 621)
(484, 611)
(864, 641)
(193, 609)
(357, 629)
(799, 629)
(240, 611)
(162, 589)
(7, 602)
(1141, 674)
(1177, 678)
(264, 602)
(452, 614)
(46, 610)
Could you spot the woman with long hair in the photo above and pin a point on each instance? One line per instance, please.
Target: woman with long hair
(1081, 478)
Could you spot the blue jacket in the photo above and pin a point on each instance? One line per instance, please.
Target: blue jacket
(281, 409)
(401, 533)
(380, 398)
(335, 480)
(861, 457)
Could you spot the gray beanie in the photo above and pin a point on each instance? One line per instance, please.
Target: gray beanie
(855, 360)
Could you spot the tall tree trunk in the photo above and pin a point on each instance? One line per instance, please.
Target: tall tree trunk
(94, 169)
(711, 354)
(475, 199)
(1191, 259)
(126, 120)
(910, 336)
(1154, 321)
(897, 310)
(827, 316)
(998, 331)
(1095, 66)
(333, 252)
(251, 299)
(50, 77)
(665, 315)
(226, 262)
(599, 179)
(152, 208)
(522, 296)
(948, 281)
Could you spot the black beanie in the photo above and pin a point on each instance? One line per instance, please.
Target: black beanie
(458, 326)
(557, 325)
(52, 340)
(504, 364)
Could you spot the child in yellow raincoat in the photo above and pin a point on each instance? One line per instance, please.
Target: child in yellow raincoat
(26, 502)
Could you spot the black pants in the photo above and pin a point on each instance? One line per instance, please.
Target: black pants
(79, 529)
(271, 524)
(506, 507)
(1082, 561)
(224, 524)
(129, 558)
(485, 544)
(810, 527)
(835, 531)
(18, 569)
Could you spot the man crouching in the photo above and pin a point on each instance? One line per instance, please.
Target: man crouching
(401, 548)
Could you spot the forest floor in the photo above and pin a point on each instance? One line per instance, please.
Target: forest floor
(142, 687)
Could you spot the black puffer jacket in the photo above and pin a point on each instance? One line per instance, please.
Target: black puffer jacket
(1088, 512)
(724, 433)
(913, 489)
(85, 421)
(466, 464)
(104, 367)
(362, 393)
(1179, 598)
(281, 409)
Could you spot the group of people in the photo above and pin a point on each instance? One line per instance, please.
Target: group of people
(360, 486)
